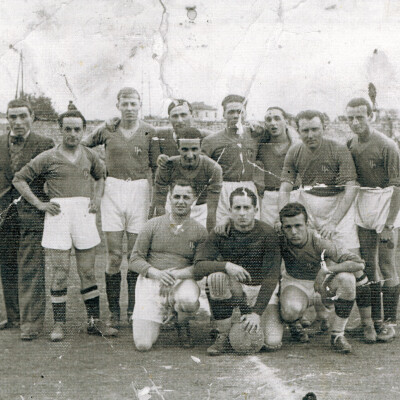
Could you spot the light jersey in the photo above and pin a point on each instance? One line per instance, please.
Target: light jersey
(304, 262)
(377, 161)
(257, 251)
(160, 245)
(235, 154)
(206, 177)
(63, 177)
(164, 142)
(331, 165)
(126, 158)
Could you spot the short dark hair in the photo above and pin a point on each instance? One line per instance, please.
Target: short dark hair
(233, 98)
(360, 101)
(71, 114)
(179, 102)
(280, 109)
(183, 182)
(291, 210)
(243, 191)
(310, 114)
(17, 103)
(127, 91)
(189, 133)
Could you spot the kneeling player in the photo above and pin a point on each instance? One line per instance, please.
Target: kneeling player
(306, 277)
(70, 218)
(236, 265)
(163, 256)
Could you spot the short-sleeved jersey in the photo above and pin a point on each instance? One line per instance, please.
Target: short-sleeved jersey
(206, 177)
(160, 245)
(377, 161)
(234, 153)
(163, 141)
(305, 262)
(63, 177)
(330, 165)
(257, 251)
(126, 158)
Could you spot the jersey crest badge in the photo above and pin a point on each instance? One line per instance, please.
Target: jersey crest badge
(86, 174)
(372, 164)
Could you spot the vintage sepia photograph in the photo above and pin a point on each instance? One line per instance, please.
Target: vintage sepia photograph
(199, 199)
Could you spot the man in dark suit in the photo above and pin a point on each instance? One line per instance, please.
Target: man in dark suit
(21, 254)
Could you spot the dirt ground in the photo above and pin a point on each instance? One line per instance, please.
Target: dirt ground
(86, 367)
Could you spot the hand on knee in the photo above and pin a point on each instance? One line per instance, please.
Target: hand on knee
(219, 286)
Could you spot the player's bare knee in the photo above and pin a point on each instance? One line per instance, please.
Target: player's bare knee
(188, 305)
(143, 345)
(114, 261)
(291, 310)
(346, 282)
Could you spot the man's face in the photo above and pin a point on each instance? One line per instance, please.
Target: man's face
(180, 117)
(129, 106)
(295, 229)
(20, 120)
(242, 212)
(182, 199)
(358, 119)
(189, 149)
(311, 131)
(72, 131)
(233, 112)
(275, 122)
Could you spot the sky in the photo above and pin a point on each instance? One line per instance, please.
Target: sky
(296, 54)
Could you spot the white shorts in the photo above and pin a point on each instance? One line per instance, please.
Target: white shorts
(198, 213)
(321, 209)
(73, 226)
(304, 285)
(372, 208)
(227, 189)
(125, 205)
(270, 205)
(149, 304)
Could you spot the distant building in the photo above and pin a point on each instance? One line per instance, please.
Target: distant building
(203, 112)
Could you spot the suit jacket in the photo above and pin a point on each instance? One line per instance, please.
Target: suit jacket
(35, 144)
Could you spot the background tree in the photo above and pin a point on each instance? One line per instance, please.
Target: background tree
(42, 106)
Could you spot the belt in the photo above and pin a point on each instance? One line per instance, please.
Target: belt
(271, 189)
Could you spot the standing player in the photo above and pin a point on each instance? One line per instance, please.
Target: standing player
(377, 162)
(271, 152)
(163, 255)
(236, 264)
(126, 199)
(190, 165)
(70, 218)
(305, 276)
(235, 150)
(21, 256)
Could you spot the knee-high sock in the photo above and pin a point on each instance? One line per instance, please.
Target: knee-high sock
(342, 312)
(131, 278)
(91, 298)
(113, 290)
(59, 303)
(376, 303)
(390, 302)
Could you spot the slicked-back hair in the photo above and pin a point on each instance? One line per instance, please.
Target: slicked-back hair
(360, 101)
(177, 103)
(292, 210)
(17, 103)
(71, 114)
(308, 115)
(280, 109)
(128, 92)
(184, 183)
(243, 191)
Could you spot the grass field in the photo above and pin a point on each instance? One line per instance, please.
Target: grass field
(86, 367)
